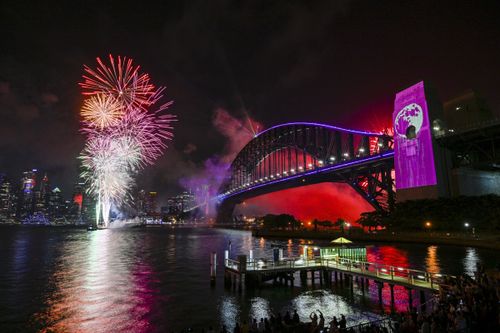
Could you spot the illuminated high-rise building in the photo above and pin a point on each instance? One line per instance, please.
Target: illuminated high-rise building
(27, 200)
(57, 207)
(151, 204)
(7, 201)
(41, 196)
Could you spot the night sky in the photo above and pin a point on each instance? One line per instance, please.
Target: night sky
(338, 62)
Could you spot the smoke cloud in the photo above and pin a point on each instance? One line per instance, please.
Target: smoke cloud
(205, 183)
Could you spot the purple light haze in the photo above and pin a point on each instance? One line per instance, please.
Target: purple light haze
(413, 157)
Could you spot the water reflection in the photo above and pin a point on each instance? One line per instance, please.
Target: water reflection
(259, 308)
(330, 305)
(470, 261)
(432, 261)
(228, 311)
(97, 288)
(157, 280)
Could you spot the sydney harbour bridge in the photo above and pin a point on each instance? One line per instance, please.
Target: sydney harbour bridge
(297, 154)
(423, 159)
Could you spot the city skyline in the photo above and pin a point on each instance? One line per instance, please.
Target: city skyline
(39, 104)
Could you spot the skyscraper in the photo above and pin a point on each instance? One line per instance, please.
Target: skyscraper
(26, 205)
(7, 201)
(41, 196)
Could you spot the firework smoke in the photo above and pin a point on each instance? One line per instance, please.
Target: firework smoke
(126, 129)
(206, 182)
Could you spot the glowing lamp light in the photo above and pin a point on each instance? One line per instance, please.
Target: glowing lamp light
(332, 158)
(436, 128)
(428, 224)
(310, 165)
(272, 176)
(421, 277)
(400, 269)
(284, 172)
(292, 170)
(361, 150)
(383, 270)
(380, 144)
(348, 225)
(466, 224)
(301, 168)
(346, 154)
(320, 162)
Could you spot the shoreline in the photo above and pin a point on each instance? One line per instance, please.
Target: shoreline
(491, 242)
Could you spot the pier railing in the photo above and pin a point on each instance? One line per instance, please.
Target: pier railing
(388, 273)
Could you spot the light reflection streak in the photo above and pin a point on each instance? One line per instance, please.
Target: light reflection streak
(259, 308)
(228, 312)
(97, 290)
(470, 261)
(432, 260)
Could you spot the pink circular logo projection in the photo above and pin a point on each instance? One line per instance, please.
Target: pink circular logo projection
(409, 121)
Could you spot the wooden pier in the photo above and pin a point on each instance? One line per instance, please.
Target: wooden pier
(242, 273)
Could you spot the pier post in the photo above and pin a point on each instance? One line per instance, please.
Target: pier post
(422, 301)
(303, 278)
(312, 277)
(410, 298)
(213, 268)
(336, 277)
(363, 285)
(380, 285)
(320, 278)
(391, 286)
(351, 283)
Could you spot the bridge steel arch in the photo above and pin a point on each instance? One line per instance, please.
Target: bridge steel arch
(303, 153)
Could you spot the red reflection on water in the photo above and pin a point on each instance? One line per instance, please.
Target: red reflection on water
(391, 256)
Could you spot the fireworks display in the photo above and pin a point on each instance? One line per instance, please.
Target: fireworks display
(126, 128)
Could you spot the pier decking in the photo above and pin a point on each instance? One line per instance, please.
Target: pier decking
(254, 272)
(407, 277)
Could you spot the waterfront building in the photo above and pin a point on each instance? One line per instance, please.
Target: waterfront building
(151, 205)
(181, 203)
(57, 205)
(7, 201)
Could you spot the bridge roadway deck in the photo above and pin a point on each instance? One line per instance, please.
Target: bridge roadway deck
(392, 275)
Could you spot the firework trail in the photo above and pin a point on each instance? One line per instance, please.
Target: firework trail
(126, 129)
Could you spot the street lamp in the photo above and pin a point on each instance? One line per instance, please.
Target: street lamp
(428, 224)
(466, 224)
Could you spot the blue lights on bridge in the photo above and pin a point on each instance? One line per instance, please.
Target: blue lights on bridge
(267, 182)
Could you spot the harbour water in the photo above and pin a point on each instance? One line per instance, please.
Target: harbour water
(157, 279)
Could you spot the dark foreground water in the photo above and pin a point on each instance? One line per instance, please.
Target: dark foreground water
(157, 280)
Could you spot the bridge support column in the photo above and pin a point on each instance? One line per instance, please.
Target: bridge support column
(380, 286)
(391, 286)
